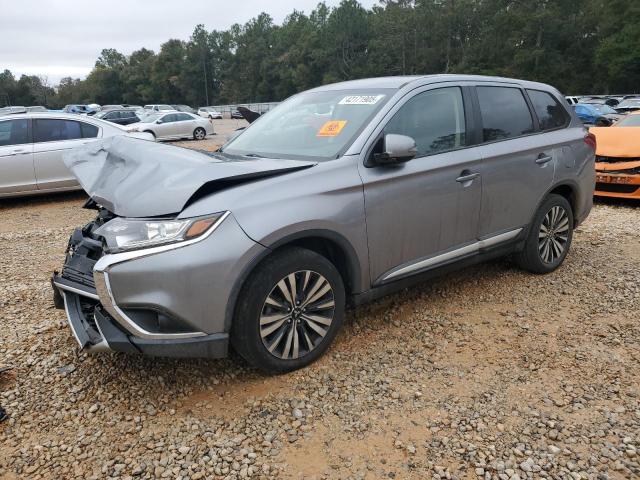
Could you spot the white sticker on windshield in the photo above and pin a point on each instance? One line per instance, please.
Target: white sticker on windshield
(361, 100)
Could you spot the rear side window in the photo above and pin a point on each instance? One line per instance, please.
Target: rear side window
(50, 130)
(505, 113)
(183, 116)
(88, 130)
(434, 119)
(14, 132)
(551, 114)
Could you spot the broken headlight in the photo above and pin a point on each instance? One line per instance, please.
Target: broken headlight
(121, 234)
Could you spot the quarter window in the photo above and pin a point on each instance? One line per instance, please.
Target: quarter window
(505, 113)
(550, 113)
(434, 119)
(14, 132)
(88, 130)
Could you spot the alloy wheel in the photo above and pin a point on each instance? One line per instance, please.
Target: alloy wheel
(297, 314)
(553, 235)
(200, 134)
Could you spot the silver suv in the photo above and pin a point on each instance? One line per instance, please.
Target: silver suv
(337, 196)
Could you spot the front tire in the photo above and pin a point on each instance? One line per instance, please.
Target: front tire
(289, 311)
(199, 133)
(549, 237)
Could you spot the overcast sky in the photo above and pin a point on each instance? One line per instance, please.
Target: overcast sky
(61, 38)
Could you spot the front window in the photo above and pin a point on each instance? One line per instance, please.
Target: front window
(434, 119)
(14, 132)
(314, 124)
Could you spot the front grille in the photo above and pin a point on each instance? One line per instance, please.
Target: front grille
(616, 188)
(603, 159)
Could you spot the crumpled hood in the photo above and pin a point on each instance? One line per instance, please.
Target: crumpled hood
(139, 178)
(623, 142)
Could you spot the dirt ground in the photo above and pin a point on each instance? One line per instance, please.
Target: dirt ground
(487, 373)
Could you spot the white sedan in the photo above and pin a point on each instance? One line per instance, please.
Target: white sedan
(209, 112)
(32, 146)
(174, 125)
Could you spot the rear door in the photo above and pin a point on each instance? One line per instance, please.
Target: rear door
(186, 124)
(16, 157)
(52, 138)
(518, 161)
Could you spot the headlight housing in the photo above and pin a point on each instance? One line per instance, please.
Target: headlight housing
(123, 234)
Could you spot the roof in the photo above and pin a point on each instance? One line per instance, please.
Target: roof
(401, 81)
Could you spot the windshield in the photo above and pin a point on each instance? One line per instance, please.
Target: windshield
(314, 124)
(629, 121)
(604, 109)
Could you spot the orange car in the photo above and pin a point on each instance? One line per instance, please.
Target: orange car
(618, 158)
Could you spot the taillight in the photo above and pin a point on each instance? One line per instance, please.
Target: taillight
(590, 139)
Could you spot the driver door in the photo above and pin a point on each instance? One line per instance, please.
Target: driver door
(425, 212)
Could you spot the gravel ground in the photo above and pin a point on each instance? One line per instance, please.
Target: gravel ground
(489, 373)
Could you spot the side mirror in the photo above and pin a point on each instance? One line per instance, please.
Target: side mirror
(159, 121)
(396, 149)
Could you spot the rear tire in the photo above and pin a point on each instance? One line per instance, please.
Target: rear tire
(288, 311)
(199, 133)
(549, 238)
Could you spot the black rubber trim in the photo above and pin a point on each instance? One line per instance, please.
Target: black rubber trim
(209, 346)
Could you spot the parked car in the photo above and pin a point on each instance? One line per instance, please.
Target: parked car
(32, 146)
(174, 125)
(75, 108)
(121, 117)
(111, 107)
(263, 243)
(236, 114)
(628, 105)
(10, 110)
(618, 158)
(209, 112)
(159, 108)
(600, 114)
(184, 108)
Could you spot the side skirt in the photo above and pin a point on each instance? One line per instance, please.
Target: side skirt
(492, 253)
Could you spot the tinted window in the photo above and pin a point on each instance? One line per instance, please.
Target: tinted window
(550, 113)
(183, 116)
(49, 130)
(505, 113)
(173, 117)
(434, 119)
(88, 130)
(14, 132)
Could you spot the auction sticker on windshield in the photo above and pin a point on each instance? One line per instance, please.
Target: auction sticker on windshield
(331, 128)
(361, 100)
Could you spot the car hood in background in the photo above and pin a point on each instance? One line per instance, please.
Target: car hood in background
(137, 178)
(620, 142)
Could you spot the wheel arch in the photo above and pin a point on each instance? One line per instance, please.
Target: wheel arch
(331, 245)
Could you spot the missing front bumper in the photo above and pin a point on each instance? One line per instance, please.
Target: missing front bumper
(95, 330)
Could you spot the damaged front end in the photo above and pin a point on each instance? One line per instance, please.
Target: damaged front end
(98, 323)
(617, 177)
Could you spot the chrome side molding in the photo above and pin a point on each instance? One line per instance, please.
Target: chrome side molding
(436, 260)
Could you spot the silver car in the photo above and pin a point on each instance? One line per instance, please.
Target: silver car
(32, 146)
(174, 125)
(337, 196)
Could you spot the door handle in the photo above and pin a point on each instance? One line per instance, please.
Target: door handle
(467, 177)
(542, 159)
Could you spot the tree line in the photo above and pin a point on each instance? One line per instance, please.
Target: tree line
(579, 46)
